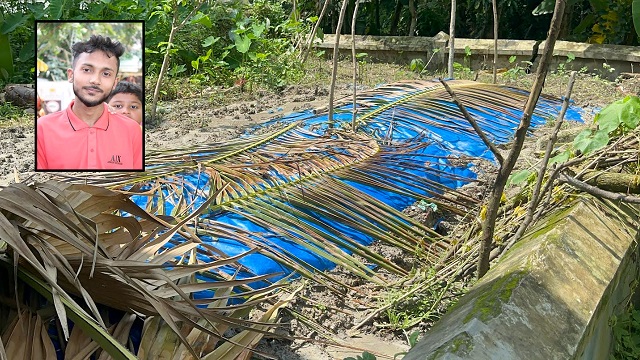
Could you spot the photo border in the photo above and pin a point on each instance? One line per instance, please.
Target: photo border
(35, 123)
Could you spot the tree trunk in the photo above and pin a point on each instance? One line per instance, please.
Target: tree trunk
(414, 17)
(165, 65)
(395, 18)
(489, 223)
(377, 19)
(495, 41)
(452, 37)
(355, 64)
(175, 26)
(314, 31)
(334, 72)
(614, 182)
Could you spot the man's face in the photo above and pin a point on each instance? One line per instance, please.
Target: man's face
(93, 77)
(127, 105)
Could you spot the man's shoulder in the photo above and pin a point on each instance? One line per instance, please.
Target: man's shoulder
(51, 119)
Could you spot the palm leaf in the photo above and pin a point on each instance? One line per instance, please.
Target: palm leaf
(37, 221)
(299, 200)
(319, 193)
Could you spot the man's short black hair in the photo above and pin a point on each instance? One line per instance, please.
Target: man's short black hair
(126, 87)
(98, 42)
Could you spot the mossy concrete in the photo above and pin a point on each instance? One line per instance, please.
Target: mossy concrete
(434, 50)
(550, 297)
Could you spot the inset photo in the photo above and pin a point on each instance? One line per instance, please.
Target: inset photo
(90, 96)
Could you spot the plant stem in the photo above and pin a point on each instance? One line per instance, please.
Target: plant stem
(452, 35)
(315, 30)
(355, 64)
(336, 53)
(596, 191)
(473, 123)
(495, 40)
(535, 197)
(489, 223)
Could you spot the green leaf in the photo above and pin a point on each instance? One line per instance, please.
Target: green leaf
(242, 44)
(560, 158)
(55, 9)
(588, 141)
(625, 111)
(12, 22)
(630, 115)
(37, 9)
(547, 6)
(28, 50)
(6, 58)
(210, 41)
(519, 177)
(512, 59)
(413, 338)
(258, 29)
(368, 356)
(201, 18)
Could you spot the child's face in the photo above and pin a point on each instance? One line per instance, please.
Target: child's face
(128, 105)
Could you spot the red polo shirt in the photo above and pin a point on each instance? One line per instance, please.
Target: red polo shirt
(65, 142)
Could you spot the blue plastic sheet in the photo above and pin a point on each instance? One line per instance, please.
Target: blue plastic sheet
(444, 137)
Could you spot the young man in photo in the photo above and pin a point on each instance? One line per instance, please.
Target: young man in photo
(86, 136)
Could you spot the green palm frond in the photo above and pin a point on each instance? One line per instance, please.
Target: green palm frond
(187, 232)
(297, 185)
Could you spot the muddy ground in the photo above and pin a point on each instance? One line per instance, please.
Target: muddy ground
(204, 116)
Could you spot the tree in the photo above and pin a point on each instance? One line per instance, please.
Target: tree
(452, 37)
(176, 24)
(336, 53)
(414, 17)
(488, 225)
(495, 39)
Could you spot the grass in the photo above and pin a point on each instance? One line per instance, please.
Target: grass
(13, 116)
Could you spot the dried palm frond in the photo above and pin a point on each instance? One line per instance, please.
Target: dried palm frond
(243, 214)
(67, 240)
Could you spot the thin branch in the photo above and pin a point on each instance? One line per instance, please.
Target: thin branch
(355, 64)
(535, 197)
(596, 191)
(500, 182)
(495, 40)
(336, 53)
(315, 30)
(452, 38)
(473, 123)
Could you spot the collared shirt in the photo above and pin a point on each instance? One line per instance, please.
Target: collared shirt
(64, 142)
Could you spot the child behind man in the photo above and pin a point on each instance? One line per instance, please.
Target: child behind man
(126, 99)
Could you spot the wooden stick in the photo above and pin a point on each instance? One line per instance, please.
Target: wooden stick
(596, 191)
(473, 123)
(535, 197)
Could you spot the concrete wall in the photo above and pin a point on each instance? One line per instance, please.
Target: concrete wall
(402, 49)
(551, 296)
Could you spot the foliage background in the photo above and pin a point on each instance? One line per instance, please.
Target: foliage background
(258, 41)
